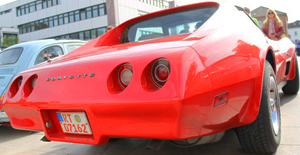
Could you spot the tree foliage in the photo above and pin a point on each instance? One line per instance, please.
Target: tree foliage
(9, 41)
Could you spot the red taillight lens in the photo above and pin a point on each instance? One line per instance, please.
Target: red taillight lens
(15, 86)
(160, 71)
(30, 85)
(125, 75)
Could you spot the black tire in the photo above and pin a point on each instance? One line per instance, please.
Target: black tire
(292, 86)
(263, 136)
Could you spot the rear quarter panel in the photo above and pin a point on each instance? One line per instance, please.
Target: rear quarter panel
(233, 53)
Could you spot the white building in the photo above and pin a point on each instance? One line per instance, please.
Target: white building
(294, 29)
(78, 19)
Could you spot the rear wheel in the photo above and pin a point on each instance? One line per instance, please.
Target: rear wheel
(292, 86)
(264, 134)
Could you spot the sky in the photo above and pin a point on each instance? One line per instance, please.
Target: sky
(291, 7)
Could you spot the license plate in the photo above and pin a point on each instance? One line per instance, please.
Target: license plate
(74, 122)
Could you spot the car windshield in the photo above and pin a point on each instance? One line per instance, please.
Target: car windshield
(10, 56)
(174, 23)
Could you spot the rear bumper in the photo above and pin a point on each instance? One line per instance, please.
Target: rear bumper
(172, 120)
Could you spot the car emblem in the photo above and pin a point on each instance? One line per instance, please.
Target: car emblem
(70, 77)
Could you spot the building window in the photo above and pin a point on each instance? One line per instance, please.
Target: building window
(23, 10)
(39, 5)
(49, 3)
(20, 30)
(18, 11)
(45, 4)
(81, 35)
(93, 34)
(87, 35)
(71, 15)
(77, 16)
(82, 14)
(89, 13)
(55, 21)
(61, 19)
(26, 9)
(5, 12)
(95, 11)
(37, 25)
(101, 10)
(66, 18)
(100, 31)
(32, 7)
(28, 27)
(41, 24)
(32, 26)
(54, 2)
(51, 24)
(296, 33)
(24, 29)
(74, 36)
(35, 6)
(46, 23)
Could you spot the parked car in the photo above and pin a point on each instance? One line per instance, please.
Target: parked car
(145, 79)
(25, 55)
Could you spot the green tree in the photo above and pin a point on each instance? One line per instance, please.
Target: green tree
(9, 41)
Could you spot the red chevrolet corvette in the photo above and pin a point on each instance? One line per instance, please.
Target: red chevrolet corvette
(185, 74)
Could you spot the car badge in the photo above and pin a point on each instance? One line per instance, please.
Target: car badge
(70, 77)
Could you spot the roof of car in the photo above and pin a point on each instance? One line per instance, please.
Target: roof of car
(40, 43)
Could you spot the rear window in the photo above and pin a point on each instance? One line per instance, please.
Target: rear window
(10, 56)
(174, 23)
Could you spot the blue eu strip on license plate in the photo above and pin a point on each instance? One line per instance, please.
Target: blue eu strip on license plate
(59, 117)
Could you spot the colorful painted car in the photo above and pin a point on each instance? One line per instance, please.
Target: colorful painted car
(19, 57)
(147, 78)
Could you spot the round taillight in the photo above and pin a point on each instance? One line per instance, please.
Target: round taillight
(15, 86)
(30, 85)
(125, 75)
(160, 71)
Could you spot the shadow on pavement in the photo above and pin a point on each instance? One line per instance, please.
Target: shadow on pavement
(7, 133)
(284, 99)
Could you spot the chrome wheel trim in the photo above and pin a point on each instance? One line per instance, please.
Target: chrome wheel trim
(274, 105)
